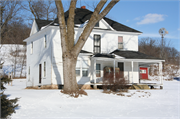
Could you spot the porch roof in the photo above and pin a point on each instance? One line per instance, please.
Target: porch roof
(104, 55)
(133, 55)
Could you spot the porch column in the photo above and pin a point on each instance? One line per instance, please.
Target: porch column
(114, 69)
(94, 74)
(132, 70)
(160, 73)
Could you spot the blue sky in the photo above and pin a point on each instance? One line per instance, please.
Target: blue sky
(149, 16)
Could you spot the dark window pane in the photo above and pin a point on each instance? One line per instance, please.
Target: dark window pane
(77, 72)
(98, 67)
(85, 72)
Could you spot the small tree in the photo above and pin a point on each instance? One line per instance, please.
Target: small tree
(7, 105)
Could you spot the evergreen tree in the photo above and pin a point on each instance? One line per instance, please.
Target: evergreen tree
(7, 105)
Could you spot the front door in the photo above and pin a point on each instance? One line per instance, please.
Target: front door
(121, 67)
(39, 73)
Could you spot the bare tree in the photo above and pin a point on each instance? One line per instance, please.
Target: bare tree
(9, 10)
(40, 9)
(69, 50)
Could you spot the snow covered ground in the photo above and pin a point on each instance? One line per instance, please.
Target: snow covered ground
(51, 104)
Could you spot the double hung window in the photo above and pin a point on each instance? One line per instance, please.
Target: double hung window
(98, 70)
(97, 43)
(120, 42)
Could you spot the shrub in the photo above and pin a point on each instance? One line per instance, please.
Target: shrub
(113, 84)
(7, 105)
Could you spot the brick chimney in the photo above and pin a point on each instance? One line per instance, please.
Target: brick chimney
(83, 7)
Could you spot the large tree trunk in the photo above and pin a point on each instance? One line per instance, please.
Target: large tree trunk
(69, 50)
(69, 74)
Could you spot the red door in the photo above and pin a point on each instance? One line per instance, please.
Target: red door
(143, 73)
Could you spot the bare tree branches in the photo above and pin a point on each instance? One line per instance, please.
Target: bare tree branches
(40, 9)
(9, 9)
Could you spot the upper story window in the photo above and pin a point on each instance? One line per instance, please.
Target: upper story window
(97, 43)
(45, 41)
(120, 42)
(31, 45)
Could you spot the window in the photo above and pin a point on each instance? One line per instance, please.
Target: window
(98, 70)
(45, 41)
(142, 71)
(97, 43)
(85, 68)
(29, 74)
(120, 42)
(44, 69)
(31, 47)
(78, 68)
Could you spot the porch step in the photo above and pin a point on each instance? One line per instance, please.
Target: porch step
(138, 87)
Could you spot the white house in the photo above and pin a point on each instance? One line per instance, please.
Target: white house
(109, 44)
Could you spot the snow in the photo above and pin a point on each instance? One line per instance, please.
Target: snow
(9, 61)
(51, 104)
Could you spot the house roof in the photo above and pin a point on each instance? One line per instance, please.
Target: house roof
(42, 23)
(82, 15)
(83, 51)
(104, 55)
(133, 55)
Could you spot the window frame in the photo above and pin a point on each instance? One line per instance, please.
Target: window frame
(97, 46)
(78, 68)
(98, 70)
(84, 68)
(29, 73)
(31, 48)
(120, 44)
(45, 41)
(45, 69)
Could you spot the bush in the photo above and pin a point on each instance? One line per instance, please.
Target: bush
(115, 83)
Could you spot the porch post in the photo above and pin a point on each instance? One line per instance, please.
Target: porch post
(94, 74)
(132, 70)
(114, 69)
(160, 73)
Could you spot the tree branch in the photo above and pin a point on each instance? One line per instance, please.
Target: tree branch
(70, 24)
(93, 20)
(62, 25)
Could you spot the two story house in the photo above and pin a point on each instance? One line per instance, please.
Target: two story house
(110, 44)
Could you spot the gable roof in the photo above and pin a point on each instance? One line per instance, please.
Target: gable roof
(133, 55)
(41, 23)
(82, 15)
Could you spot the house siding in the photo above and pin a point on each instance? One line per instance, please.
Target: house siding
(39, 56)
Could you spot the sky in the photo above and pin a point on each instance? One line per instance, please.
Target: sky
(149, 16)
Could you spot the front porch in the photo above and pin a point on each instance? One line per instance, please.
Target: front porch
(128, 67)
